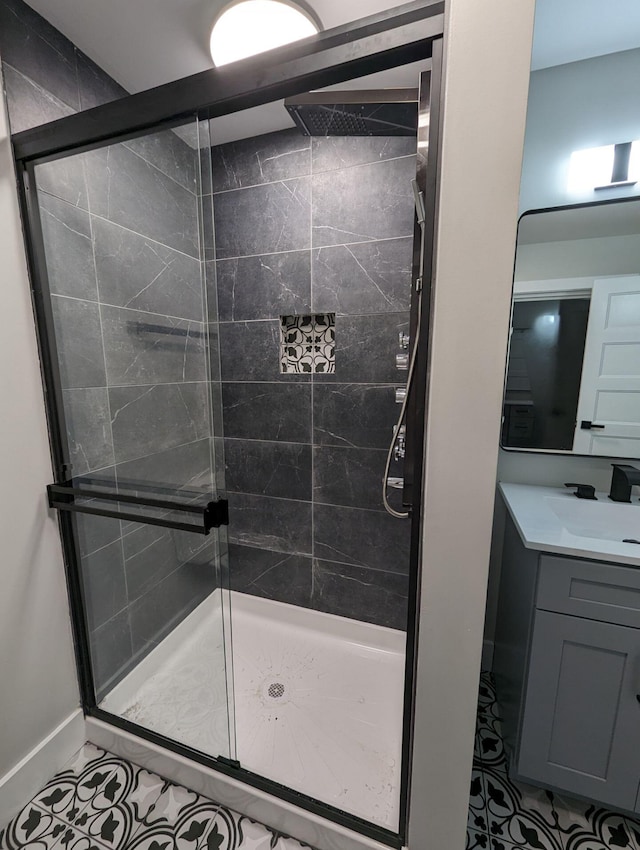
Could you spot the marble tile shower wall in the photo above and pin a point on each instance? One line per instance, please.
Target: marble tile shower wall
(123, 255)
(314, 226)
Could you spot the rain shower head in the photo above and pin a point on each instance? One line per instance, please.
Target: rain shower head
(385, 112)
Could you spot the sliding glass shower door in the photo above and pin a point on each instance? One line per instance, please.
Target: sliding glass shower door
(313, 256)
(126, 298)
(229, 313)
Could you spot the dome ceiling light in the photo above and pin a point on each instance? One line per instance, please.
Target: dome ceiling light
(248, 27)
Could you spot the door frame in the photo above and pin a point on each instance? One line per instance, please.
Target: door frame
(399, 36)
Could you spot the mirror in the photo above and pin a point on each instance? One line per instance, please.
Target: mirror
(573, 371)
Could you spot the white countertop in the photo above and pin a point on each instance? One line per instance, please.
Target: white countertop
(552, 519)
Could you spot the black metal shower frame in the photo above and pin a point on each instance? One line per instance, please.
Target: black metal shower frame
(398, 36)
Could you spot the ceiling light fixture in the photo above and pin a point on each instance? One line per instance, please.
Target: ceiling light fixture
(248, 27)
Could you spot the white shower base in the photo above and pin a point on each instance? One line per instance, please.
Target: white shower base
(318, 699)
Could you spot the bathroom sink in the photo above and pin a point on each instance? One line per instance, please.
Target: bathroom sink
(601, 520)
(552, 519)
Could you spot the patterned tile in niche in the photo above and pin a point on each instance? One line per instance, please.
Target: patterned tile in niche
(308, 343)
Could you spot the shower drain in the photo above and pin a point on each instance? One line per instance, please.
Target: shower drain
(275, 690)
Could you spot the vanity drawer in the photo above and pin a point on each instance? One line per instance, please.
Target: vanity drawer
(591, 589)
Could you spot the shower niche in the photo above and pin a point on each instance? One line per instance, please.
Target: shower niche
(308, 344)
(221, 311)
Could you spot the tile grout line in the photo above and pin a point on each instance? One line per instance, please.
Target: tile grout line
(310, 174)
(266, 319)
(107, 220)
(122, 307)
(374, 240)
(90, 631)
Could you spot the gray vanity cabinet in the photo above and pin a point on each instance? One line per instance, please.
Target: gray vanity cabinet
(581, 723)
(567, 668)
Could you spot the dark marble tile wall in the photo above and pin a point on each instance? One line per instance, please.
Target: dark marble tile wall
(123, 254)
(314, 225)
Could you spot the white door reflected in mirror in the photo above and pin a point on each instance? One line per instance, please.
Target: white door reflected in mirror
(608, 417)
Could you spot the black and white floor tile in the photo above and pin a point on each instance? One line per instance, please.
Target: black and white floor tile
(509, 815)
(100, 802)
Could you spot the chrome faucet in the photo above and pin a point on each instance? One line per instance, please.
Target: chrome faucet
(623, 478)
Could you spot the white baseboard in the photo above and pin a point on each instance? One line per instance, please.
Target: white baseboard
(487, 655)
(255, 804)
(24, 780)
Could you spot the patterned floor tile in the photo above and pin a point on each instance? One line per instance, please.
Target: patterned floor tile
(35, 829)
(477, 840)
(496, 844)
(530, 818)
(520, 814)
(72, 790)
(250, 835)
(584, 826)
(486, 688)
(120, 807)
(179, 820)
(477, 819)
(489, 748)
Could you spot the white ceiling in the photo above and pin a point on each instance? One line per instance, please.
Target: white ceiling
(570, 30)
(144, 43)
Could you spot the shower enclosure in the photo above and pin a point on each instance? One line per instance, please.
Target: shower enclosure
(227, 308)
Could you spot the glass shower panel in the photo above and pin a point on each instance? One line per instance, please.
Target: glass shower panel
(123, 233)
(313, 248)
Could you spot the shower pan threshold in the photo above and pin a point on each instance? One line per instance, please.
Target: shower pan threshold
(318, 699)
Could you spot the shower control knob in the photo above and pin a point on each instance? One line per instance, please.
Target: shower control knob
(399, 438)
(402, 362)
(403, 340)
(398, 452)
(395, 483)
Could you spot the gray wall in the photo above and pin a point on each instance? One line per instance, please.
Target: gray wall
(314, 226)
(578, 105)
(39, 690)
(123, 254)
